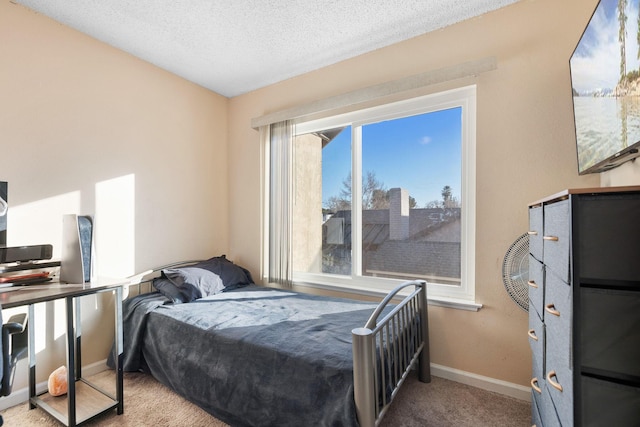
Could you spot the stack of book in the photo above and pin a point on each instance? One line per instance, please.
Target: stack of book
(19, 274)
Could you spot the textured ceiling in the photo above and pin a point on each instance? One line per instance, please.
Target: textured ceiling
(235, 46)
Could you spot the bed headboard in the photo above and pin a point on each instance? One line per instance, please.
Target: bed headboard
(142, 283)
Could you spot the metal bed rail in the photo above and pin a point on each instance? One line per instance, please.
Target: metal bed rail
(384, 352)
(141, 283)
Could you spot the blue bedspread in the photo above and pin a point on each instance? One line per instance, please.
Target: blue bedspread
(255, 356)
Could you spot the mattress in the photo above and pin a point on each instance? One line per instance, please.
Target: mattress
(253, 356)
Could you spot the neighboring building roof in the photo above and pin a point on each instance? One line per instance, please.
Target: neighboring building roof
(423, 223)
(432, 248)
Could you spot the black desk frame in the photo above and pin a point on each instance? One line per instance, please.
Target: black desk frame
(70, 292)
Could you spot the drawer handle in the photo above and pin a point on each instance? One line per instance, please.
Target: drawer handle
(532, 284)
(532, 233)
(551, 238)
(532, 334)
(534, 385)
(551, 309)
(554, 384)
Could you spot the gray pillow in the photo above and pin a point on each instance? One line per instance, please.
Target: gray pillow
(187, 284)
(215, 275)
(232, 275)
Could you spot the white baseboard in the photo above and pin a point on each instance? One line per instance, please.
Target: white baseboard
(21, 396)
(486, 383)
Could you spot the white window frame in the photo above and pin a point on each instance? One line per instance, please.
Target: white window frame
(462, 296)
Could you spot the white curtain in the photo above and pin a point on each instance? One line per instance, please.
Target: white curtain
(279, 141)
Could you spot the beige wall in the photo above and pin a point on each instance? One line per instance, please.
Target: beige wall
(85, 128)
(627, 174)
(525, 150)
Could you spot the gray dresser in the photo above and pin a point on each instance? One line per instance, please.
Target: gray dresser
(584, 307)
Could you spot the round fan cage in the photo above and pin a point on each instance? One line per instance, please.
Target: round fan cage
(515, 271)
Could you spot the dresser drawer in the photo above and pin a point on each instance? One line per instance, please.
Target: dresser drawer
(558, 356)
(558, 307)
(535, 413)
(543, 414)
(609, 404)
(536, 285)
(612, 345)
(548, 413)
(556, 240)
(535, 231)
(608, 229)
(536, 336)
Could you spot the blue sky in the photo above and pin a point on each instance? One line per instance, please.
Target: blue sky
(596, 61)
(420, 153)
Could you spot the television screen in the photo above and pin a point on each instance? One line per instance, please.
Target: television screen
(605, 79)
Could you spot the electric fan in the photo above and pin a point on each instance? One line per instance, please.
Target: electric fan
(515, 271)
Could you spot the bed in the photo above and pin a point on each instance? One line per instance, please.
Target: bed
(252, 355)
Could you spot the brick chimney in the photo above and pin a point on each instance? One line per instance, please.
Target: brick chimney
(398, 214)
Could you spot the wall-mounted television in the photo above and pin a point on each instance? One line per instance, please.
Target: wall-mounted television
(605, 80)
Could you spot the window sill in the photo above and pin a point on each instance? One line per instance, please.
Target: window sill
(438, 301)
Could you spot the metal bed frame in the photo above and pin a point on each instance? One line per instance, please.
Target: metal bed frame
(384, 350)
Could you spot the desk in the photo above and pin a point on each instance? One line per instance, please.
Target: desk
(83, 400)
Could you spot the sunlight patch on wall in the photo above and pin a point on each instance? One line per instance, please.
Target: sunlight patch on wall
(35, 223)
(50, 327)
(115, 227)
(60, 322)
(40, 222)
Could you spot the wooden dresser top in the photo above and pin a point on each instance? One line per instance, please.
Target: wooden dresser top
(593, 190)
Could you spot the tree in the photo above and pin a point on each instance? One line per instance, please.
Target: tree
(622, 20)
(374, 195)
(638, 35)
(448, 200)
(446, 194)
(343, 201)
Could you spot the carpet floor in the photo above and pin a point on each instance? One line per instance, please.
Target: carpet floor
(441, 403)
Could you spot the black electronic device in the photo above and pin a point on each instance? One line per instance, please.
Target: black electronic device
(25, 253)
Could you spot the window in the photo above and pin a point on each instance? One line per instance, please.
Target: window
(386, 194)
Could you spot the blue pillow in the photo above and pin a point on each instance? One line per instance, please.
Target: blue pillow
(187, 284)
(232, 275)
(210, 277)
